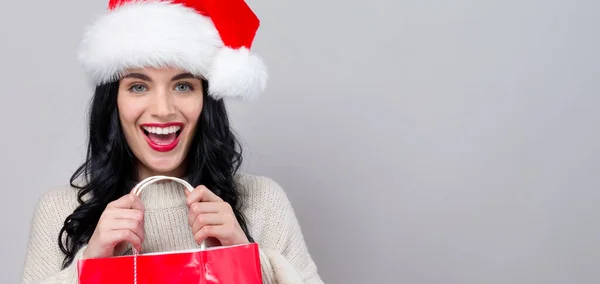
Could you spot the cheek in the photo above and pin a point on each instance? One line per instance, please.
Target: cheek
(129, 113)
(191, 111)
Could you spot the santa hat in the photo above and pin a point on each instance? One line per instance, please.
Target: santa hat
(208, 38)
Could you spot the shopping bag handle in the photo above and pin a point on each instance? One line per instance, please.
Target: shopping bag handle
(137, 190)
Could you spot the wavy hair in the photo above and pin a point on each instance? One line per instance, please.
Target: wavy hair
(109, 170)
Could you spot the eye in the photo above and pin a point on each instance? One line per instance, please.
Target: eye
(184, 87)
(138, 88)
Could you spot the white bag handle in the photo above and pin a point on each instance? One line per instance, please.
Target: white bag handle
(142, 184)
(137, 190)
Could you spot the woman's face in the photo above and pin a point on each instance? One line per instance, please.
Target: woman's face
(159, 110)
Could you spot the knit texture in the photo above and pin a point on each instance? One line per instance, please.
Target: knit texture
(271, 220)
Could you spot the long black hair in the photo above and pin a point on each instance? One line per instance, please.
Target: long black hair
(109, 171)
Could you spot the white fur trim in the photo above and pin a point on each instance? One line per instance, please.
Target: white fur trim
(162, 34)
(237, 73)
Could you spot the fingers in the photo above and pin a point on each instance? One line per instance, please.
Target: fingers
(208, 231)
(121, 222)
(117, 236)
(207, 219)
(112, 214)
(211, 217)
(129, 224)
(133, 214)
(201, 194)
(224, 233)
(128, 201)
(136, 202)
(222, 226)
(204, 208)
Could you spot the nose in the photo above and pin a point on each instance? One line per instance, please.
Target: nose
(162, 105)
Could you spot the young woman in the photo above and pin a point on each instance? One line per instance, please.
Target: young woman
(161, 71)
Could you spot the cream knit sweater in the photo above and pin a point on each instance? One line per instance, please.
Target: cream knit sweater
(271, 220)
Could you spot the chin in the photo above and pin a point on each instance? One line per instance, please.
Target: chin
(163, 165)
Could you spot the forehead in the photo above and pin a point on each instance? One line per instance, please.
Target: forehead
(158, 74)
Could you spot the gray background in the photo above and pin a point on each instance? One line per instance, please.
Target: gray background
(419, 141)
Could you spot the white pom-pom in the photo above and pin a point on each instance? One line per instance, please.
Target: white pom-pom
(237, 73)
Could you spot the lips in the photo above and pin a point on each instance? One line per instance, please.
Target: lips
(162, 137)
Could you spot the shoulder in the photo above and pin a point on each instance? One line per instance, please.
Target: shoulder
(43, 253)
(56, 204)
(261, 191)
(266, 206)
(61, 197)
(270, 215)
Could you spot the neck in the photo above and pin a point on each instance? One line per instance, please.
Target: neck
(163, 194)
(146, 172)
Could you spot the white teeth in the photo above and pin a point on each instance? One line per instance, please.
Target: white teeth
(162, 130)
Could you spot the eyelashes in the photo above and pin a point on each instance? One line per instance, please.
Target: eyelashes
(188, 87)
(182, 87)
(135, 88)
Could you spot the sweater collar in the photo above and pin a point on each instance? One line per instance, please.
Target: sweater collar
(163, 194)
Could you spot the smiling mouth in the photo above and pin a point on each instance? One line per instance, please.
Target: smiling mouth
(162, 137)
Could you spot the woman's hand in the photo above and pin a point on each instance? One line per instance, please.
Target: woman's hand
(121, 222)
(211, 217)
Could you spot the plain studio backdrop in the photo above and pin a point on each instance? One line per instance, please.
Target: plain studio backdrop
(419, 141)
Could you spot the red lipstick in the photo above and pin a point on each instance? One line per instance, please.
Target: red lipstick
(155, 143)
(162, 124)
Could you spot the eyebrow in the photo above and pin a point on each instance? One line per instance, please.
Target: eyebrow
(183, 76)
(137, 76)
(146, 78)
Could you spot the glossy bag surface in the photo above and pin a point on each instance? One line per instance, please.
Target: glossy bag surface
(223, 265)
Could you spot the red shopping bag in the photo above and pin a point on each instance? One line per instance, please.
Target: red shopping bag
(238, 264)
(223, 265)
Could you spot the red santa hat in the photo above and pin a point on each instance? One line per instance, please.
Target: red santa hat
(208, 38)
